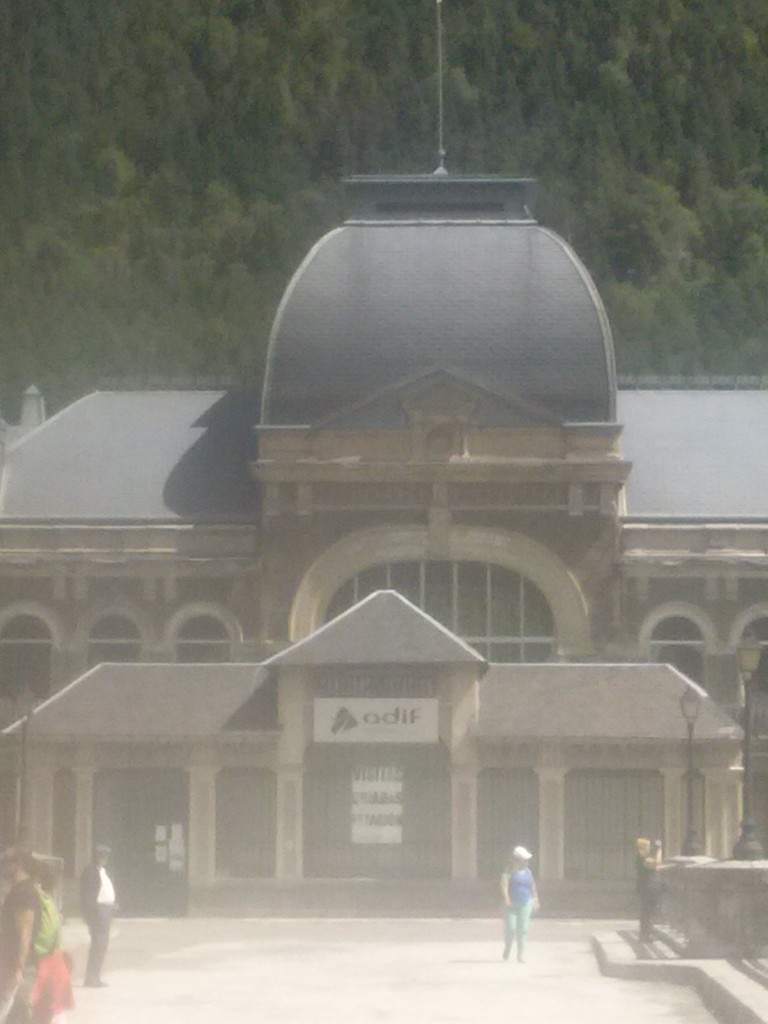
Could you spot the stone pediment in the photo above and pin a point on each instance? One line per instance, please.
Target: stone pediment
(438, 397)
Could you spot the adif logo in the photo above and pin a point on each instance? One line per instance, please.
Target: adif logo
(344, 721)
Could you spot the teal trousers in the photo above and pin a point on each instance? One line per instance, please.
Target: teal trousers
(516, 918)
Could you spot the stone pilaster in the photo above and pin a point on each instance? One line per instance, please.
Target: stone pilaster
(722, 800)
(551, 821)
(202, 824)
(39, 801)
(464, 822)
(289, 861)
(84, 779)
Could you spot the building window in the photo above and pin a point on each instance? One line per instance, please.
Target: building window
(678, 641)
(25, 657)
(203, 638)
(113, 638)
(500, 613)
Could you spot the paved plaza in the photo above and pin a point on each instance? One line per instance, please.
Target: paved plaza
(201, 971)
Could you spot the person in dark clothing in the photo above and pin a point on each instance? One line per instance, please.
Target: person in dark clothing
(97, 907)
(648, 884)
(19, 921)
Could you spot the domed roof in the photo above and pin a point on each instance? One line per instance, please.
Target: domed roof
(439, 272)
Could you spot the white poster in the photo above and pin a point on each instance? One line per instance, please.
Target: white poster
(377, 805)
(376, 720)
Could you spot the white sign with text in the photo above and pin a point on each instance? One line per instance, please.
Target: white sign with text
(376, 720)
(377, 805)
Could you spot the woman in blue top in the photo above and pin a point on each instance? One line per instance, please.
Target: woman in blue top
(518, 889)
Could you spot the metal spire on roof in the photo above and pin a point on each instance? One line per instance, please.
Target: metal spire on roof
(441, 168)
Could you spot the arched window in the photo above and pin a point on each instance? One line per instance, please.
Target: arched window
(203, 638)
(500, 613)
(678, 641)
(25, 657)
(759, 629)
(114, 638)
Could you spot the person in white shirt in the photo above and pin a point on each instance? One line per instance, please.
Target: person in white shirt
(97, 908)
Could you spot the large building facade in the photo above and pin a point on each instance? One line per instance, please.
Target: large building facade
(440, 442)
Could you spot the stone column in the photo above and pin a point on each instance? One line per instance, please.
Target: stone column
(464, 822)
(291, 746)
(202, 824)
(289, 862)
(39, 802)
(722, 801)
(84, 777)
(551, 821)
(674, 828)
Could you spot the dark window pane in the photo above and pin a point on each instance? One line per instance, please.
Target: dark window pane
(341, 600)
(26, 627)
(676, 627)
(687, 658)
(25, 658)
(405, 578)
(203, 638)
(538, 652)
(203, 627)
(506, 653)
(505, 603)
(199, 652)
(371, 580)
(538, 614)
(114, 627)
(113, 650)
(438, 592)
(760, 629)
(472, 599)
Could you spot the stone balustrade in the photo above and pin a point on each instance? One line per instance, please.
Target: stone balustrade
(717, 908)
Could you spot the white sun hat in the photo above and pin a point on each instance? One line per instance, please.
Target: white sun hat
(521, 853)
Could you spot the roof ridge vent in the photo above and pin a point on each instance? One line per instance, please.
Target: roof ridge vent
(438, 197)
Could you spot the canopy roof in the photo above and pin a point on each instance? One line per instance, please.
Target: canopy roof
(382, 629)
(156, 702)
(594, 702)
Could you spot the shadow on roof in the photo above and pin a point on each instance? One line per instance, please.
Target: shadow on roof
(212, 480)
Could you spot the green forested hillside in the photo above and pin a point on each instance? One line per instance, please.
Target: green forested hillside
(163, 165)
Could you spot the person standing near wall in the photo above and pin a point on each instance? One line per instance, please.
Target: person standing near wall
(97, 907)
(19, 921)
(648, 857)
(518, 890)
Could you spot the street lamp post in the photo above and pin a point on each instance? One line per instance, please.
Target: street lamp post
(748, 845)
(690, 705)
(25, 711)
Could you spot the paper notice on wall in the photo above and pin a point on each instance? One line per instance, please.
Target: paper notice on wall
(176, 851)
(377, 805)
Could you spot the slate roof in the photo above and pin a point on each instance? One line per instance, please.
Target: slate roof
(150, 702)
(696, 453)
(381, 300)
(623, 703)
(382, 629)
(136, 456)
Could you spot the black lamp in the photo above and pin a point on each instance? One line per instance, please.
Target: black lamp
(748, 845)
